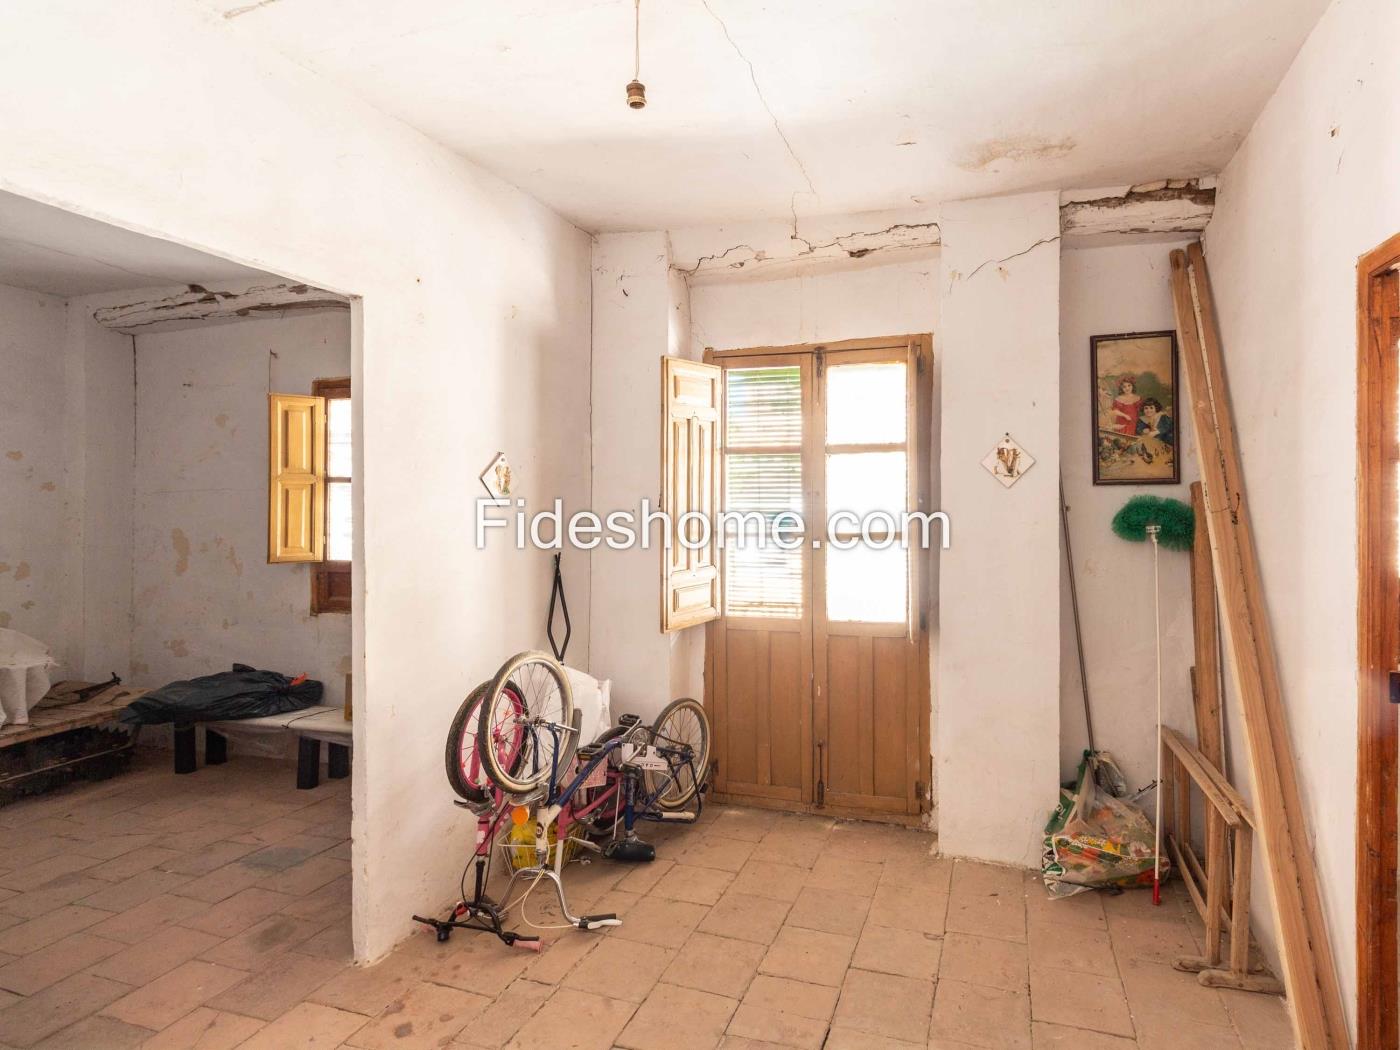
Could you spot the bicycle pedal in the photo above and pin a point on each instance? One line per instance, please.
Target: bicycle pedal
(628, 721)
(675, 816)
(632, 850)
(597, 922)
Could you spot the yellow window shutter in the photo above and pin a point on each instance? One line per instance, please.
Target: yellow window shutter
(690, 416)
(296, 475)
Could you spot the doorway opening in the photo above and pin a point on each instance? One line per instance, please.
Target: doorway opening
(1378, 641)
(818, 666)
(136, 557)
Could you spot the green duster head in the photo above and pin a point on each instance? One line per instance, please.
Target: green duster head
(1177, 521)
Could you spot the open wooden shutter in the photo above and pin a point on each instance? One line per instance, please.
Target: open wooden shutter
(690, 414)
(296, 478)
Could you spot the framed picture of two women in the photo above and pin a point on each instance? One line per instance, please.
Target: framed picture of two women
(1134, 408)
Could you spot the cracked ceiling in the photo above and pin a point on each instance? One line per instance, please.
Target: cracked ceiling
(795, 108)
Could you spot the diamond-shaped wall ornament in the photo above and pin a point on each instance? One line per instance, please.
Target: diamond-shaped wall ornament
(1007, 461)
(497, 479)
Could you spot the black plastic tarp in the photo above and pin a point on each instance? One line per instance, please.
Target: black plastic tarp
(244, 692)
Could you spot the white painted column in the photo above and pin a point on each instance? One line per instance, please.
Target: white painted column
(640, 313)
(999, 588)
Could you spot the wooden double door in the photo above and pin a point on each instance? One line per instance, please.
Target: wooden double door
(817, 670)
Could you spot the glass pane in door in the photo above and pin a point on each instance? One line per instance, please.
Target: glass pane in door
(867, 585)
(865, 482)
(865, 404)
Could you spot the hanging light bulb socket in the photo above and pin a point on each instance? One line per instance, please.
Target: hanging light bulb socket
(636, 90)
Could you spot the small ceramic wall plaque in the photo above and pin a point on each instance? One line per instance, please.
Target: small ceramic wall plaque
(497, 478)
(1007, 461)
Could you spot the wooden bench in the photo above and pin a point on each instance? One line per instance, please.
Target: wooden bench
(313, 726)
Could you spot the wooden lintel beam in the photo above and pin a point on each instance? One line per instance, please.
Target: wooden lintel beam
(1175, 206)
(205, 304)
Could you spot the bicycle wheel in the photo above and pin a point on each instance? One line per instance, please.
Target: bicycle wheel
(465, 770)
(524, 714)
(682, 732)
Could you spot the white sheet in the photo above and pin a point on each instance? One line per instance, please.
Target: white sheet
(25, 663)
(594, 700)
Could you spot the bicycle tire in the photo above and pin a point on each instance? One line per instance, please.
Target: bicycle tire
(688, 778)
(472, 785)
(522, 673)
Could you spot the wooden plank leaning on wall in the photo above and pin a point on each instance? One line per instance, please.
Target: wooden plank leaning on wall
(1205, 625)
(1310, 973)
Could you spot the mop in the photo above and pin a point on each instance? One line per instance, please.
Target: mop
(1169, 523)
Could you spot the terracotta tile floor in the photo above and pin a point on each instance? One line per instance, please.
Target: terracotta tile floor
(212, 911)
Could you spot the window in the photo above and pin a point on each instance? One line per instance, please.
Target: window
(762, 477)
(330, 579)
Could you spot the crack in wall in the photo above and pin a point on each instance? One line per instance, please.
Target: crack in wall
(753, 76)
(812, 249)
(1007, 258)
(1186, 191)
(237, 12)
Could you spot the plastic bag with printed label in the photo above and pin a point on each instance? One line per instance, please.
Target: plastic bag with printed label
(1094, 840)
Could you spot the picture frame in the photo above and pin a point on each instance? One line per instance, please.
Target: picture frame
(1133, 409)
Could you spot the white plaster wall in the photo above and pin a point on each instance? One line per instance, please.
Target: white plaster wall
(998, 688)
(1104, 291)
(40, 499)
(862, 300)
(1311, 189)
(474, 340)
(205, 596)
(104, 406)
(635, 322)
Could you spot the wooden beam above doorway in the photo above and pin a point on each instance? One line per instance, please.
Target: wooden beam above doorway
(198, 304)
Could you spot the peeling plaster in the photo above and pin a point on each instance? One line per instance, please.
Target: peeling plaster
(199, 304)
(1164, 206)
(857, 244)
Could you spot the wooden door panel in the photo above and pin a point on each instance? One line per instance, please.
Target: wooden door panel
(845, 705)
(869, 703)
(890, 699)
(765, 700)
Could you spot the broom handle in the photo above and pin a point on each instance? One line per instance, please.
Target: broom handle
(1152, 531)
(1074, 605)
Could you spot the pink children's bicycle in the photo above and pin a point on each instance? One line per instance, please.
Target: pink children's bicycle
(513, 756)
